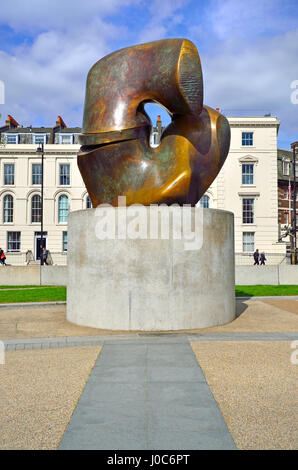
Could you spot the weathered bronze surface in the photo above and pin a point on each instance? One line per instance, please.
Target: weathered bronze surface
(116, 158)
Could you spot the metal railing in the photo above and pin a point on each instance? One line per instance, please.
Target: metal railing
(23, 259)
(60, 258)
(272, 259)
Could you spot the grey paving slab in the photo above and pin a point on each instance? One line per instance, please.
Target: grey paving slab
(133, 344)
(147, 395)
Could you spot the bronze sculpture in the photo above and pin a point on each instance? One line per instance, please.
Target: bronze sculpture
(116, 159)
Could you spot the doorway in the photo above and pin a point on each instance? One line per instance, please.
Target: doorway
(37, 244)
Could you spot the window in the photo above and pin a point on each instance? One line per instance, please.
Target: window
(247, 138)
(248, 211)
(88, 203)
(66, 138)
(64, 241)
(36, 173)
(12, 139)
(286, 218)
(8, 209)
(13, 241)
(62, 209)
(40, 139)
(285, 194)
(204, 201)
(36, 209)
(64, 175)
(248, 242)
(286, 168)
(247, 174)
(9, 173)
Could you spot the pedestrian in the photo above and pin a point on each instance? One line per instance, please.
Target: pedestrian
(263, 258)
(44, 256)
(2, 257)
(256, 257)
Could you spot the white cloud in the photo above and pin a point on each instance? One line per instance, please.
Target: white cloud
(256, 77)
(47, 77)
(232, 18)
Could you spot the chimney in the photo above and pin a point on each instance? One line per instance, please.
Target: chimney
(11, 123)
(217, 109)
(60, 123)
(158, 125)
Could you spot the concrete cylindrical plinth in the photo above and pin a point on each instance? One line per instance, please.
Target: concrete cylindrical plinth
(155, 283)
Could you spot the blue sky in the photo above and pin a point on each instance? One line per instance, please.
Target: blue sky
(248, 49)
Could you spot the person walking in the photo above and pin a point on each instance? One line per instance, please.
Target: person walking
(256, 257)
(263, 258)
(2, 257)
(44, 255)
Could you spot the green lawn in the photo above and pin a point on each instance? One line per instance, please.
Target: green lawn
(252, 291)
(40, 294)
(15, 294)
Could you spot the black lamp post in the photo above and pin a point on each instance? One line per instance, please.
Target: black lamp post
(294, 145)
(40, 151)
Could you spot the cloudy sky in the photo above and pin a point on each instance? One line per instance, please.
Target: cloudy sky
(249, 52)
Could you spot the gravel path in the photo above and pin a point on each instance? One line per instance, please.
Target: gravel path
(255, 386)
(38, 394)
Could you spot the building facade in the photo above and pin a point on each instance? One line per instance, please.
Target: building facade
(285, 170)
(247, 185)
(20, 190)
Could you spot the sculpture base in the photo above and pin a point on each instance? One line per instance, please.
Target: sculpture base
(151, 284)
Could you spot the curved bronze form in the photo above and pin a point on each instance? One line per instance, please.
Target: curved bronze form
(116, 158)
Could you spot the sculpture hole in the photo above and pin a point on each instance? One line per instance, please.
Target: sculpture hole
(160, 119)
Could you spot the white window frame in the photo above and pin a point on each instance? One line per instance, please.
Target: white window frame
(202, 201)
(65, 135)
(248, 174)
(253, 210)
(19, 241)
(35, 209)
(35, 163)
(10, 208)
(286, 164)
(12, 135)
(59, 173)
(14, 173)
(247, 145)
(39, 135)
(246, 243)
(62, 222)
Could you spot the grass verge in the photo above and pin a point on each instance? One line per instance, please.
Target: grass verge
(40, 294)
(264, 290)
(15, 294)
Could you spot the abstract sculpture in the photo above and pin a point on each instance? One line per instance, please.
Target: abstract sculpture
(116, 159)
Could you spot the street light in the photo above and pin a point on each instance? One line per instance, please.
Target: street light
(40, 151)
(294, 145)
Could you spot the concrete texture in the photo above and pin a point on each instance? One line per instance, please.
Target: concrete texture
(38, 393)
(19, 275)
(288, 274)
(255, 386)
(57, 275)
(151, 284)
(256, 275)
(147, 394)
(53, 275)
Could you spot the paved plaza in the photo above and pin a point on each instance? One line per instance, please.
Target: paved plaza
(228, 387)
